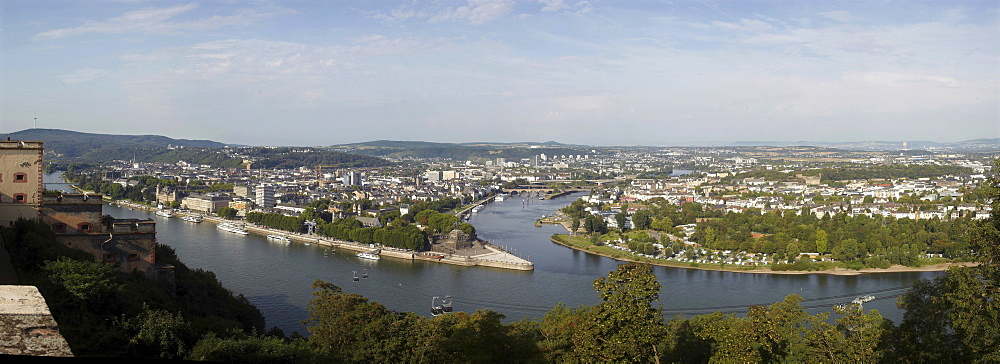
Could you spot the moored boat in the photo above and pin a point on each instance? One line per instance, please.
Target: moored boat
(191, 218)
(233, 228)
(164, 213)
(279, 238)
(373, 255)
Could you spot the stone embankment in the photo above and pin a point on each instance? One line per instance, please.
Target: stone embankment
(495, 258)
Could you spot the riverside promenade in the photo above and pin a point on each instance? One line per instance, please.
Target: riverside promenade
(488, 256)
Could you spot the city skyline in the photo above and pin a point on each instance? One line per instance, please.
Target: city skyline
(577, 72)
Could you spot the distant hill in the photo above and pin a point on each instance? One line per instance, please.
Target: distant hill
(976, 144)
(72, 147)
(71, 144)
(459, 151)
(400, 144)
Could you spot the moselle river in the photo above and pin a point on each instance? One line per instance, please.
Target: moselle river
(277, 277)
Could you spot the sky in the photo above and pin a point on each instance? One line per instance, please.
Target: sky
(315, 73)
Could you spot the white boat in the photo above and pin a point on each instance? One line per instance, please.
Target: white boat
(369, 255)
(233, 228)
(279, 238)
(500, 197)
(191, 218)
(164, 213)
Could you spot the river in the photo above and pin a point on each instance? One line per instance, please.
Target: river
(277, 277)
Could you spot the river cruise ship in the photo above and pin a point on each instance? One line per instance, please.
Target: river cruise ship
(233, 228)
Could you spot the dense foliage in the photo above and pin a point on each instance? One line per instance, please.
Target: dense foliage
(847, 238)
(102, 312)
(394, 235)
(276, 220)
(890, 171)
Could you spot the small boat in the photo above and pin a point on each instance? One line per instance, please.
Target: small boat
(164, 213)
(279, 238)
(233, 228)
(369, 255)
(500, 197)
(194, 219)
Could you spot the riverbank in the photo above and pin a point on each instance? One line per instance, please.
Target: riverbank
(494, 258)
(760, 269)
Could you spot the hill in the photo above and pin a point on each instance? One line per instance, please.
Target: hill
(67, 146)
(71, 144)
(459, 151)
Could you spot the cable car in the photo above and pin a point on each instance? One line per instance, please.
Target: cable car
(356, 276)
(446, 304)
(365, 274)
(436, 308)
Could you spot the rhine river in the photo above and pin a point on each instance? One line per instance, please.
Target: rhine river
(277, 277)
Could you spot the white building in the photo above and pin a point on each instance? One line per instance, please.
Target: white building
(264, 196)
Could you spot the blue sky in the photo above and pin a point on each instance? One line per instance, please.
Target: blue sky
(589, 72)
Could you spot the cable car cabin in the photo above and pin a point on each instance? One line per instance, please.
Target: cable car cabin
(437, 309)
(365, 274)
(356, 276)
(446, 304)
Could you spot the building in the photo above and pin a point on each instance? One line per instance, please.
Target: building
(79, 223)
(264, 196)
(352, 179)
(167, 194)
(205, 203)
(77, 219)
(241, 206)
(451, 242)
(432, 176)
(242, 191)
(20, 180)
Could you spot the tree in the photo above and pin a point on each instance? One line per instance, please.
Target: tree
(621, 218)
(575, 226)
(159, 334)
(228, 213)
(642, 219)
(792, 251)
(253, 349)
(626, 326)
(595, 224)
(88, 281)
(821, 241)
(953, 318)
(663, 224)
(467, 228)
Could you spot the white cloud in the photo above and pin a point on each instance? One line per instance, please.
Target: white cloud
(838, 15)
(578, 7)
(83, 75)
(745, 25)
(474, 11)
(477, 11)
(553, 5)
(155, 21)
